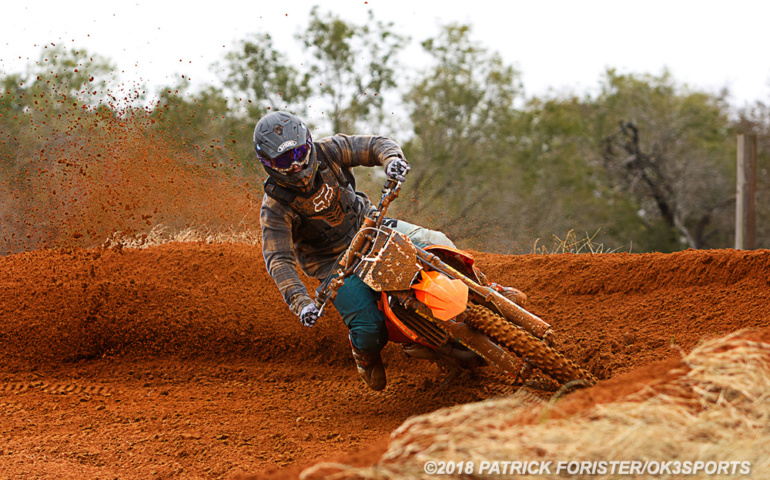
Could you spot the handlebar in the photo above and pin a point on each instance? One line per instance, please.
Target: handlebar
(390, 192)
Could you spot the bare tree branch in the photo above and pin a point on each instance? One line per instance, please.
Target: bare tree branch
(645, 167)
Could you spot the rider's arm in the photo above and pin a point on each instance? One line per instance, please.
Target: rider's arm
(361, 150)
(280, 258)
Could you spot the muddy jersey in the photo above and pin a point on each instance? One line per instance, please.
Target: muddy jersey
(331, 212)
(313, 229)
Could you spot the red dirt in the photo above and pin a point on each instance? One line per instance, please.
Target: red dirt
(182, 361)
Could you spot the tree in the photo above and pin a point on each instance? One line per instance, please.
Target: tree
(61, 96)
(559, 188)
(351, 68)
(672, 154)
(460, 109)
(204, 124)
(262, 79)
(47, 99)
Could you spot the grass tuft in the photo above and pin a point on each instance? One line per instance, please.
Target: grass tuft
(571, 243)
(160, 234)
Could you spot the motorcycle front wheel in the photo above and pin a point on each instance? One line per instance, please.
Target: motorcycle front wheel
(524, 345)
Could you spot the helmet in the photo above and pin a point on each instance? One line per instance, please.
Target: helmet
(283, 144)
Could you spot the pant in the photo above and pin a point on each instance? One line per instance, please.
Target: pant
(356, 302)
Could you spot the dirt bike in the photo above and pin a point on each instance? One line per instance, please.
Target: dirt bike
(439, 305)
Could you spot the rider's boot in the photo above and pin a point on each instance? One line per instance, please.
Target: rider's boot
(371, 369)
(513, 294)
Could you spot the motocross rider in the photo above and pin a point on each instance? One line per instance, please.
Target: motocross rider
(311, 212)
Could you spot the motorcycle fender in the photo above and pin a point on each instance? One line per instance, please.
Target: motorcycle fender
(465, 257)
(463, 261)
(445, 297)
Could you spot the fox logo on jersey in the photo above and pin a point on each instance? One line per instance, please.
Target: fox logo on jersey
(323, 199)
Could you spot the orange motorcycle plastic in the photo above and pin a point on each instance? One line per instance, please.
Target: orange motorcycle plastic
(445, 297)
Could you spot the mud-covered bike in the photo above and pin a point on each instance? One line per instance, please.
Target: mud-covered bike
(440, 306)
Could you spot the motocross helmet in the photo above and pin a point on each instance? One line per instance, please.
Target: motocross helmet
(283, 144)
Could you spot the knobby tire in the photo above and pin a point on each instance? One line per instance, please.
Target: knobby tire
(524, 345)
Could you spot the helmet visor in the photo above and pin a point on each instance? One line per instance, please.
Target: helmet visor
(287, 160)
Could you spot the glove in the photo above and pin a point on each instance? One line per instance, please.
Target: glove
(397, 169)
(309, 315)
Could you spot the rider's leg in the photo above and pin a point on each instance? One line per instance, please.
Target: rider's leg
(357, 305)
(421, 236)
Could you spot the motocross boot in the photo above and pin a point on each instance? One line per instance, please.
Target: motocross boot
(515, 295)
(371, 369)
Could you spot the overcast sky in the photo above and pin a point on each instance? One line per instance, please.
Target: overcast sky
(561, 45)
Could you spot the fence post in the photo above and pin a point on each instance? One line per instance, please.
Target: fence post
(745, 213)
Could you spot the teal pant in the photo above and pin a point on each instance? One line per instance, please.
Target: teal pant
(357, 305)
(356, 302)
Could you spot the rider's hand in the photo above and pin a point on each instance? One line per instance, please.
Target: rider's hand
(309, 315)
(397, 169)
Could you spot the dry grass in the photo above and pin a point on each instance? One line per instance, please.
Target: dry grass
(572, 244)
(719, 411)
(160, 234)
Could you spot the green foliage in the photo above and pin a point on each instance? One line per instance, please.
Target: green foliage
(197, 120)
(61, 75)
(205, 124)
(560, 188)
(59, 97)
(262, 78)
(351, 67)
(461, 155)
(49, 95)
(671, 151)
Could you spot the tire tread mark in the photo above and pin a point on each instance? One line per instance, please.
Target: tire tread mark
(15, 388)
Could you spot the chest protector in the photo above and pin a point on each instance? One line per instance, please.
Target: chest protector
(329, 213)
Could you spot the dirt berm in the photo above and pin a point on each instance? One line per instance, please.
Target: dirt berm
(182, 361)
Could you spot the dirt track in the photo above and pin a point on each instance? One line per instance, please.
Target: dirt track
(182, 361)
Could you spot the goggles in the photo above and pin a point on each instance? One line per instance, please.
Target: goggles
(284, 162)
